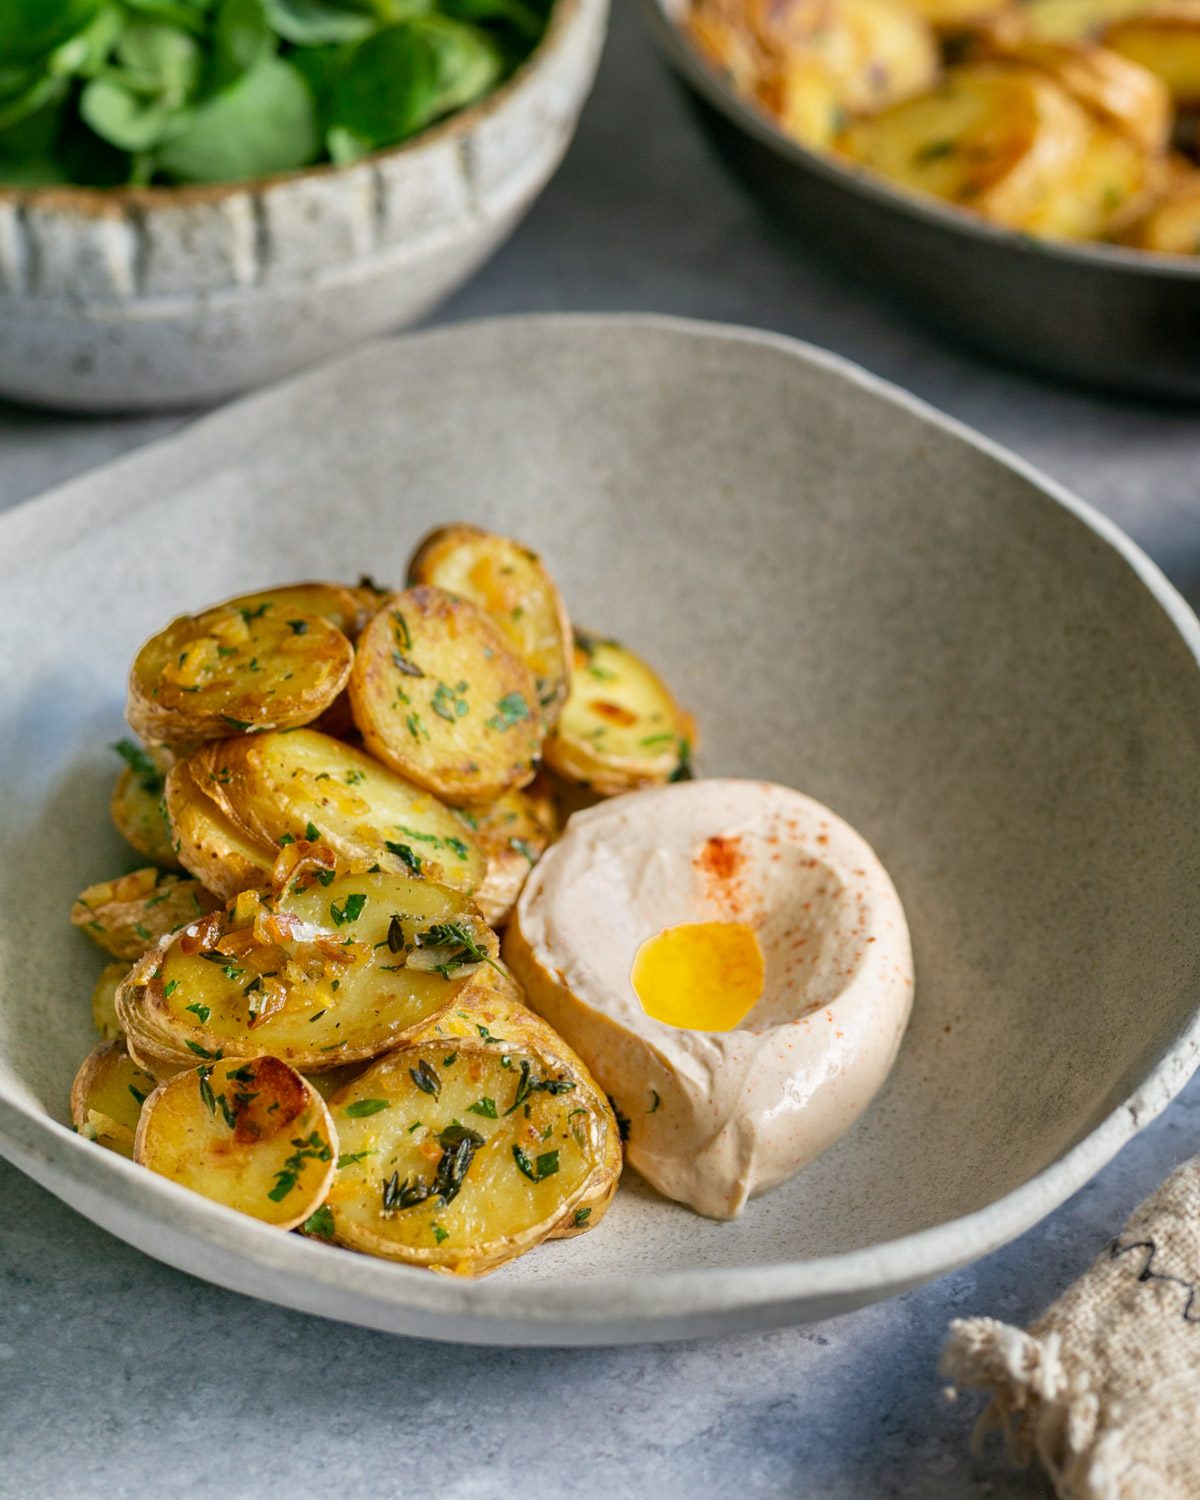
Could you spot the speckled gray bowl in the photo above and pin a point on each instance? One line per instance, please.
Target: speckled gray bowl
(856, 596)
(166, 297)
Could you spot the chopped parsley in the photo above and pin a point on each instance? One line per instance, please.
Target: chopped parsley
(149, 777)
(199, 1010)
(349, 911)
(485, 1107)
(582, 1215)
(449, 702)
(546, 1166)
(312, 1148)
(320, 1223)
(405, 855)
(359, 1108)
(511, 709)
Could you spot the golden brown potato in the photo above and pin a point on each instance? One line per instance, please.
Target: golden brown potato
(331, 971)
(243, 666)
(509, 582)
(513, 832)
(273, 789)
(996, 139)
(1076, 20)
(480, 1138)
(621, 728)
(802, 97)
(1119, 93)
(139, 809)
(348, 606)
(211, 846)
(877, 52)
(1167, 42)
(107, 1097)
(249, 1133)
(980, 17)
(1111, 184)
(1172, 225)
(104, 1000)
(128, 915)
(441, 698)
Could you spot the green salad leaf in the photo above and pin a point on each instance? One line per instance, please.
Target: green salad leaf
(104, 92)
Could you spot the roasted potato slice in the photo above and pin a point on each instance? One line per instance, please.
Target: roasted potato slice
(1172, 226)
(107, 1097)
(510, 583)
(1120, 94)
(1076, 20)
(329, 972)
(513, 832)
(139, 808)
(802, 97)
(440, 696)
(621, 728)
(272, 789)
(244, 666)
(876, 52)
(348, 606)
(996, 139)
(956, 17)
(211, 846)
(249, 1133)
(104, 1000)
(480, 1138)
(1166, 40)
(128, 915)
(1111, 184)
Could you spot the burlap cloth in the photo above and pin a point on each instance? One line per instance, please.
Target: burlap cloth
(1105, 1388)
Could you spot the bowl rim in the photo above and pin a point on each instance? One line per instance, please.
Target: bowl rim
(1094, 254)
(641, 1306)
(106, 202)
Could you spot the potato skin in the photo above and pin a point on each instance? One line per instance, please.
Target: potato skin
(511, 584)
(237, 666)
(107, 1097)
(440, 697)
(1119, 93)
(1167, 42)
(251, 1134)
(210, 846)
(513, 833)
(104, 996)
(138, 807)
(128, 915)
(1172, 225)
(486, 1023)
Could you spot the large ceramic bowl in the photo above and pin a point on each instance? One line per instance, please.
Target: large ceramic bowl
(1099, 314)
(857, 598)
(166, 297)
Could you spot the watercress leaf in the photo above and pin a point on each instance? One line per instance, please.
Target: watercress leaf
(32, 171)
(242, 38)
(41, 97)
(404, 78)
(523, 18)
(191, 15)
(127, 119)
(159, 60)
(262, 124)
(310, 23)
(31, 28)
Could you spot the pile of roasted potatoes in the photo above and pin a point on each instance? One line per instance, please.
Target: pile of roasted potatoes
(338, 793)
(1066, 119)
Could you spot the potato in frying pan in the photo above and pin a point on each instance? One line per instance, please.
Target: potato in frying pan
(1172, 225)
(1166, 40)
(478, 1139)
(440, 696)
(997, 139)
(510, 583)
(249, 1133)
(127, 915)
(330, 971)
(254, 663)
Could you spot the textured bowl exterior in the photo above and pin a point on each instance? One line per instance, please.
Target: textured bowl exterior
(857, 597)
(1101, 315)
(168, 297)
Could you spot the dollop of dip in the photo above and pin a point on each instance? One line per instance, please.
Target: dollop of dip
(733, 963)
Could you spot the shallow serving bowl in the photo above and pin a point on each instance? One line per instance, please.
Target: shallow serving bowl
(164, 297)
(856, 596)
(1099, 314)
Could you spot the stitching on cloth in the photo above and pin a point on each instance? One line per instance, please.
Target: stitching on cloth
(1191, 1312)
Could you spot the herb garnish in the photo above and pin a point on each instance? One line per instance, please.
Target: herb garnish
(582, 1215)
(405, 855)
(511, 709)
(320, 1223)
(149, 777)
(424, 1075)
(311, 1149)
(349, 911)
(485, 1107)
(359, 1108)
(448, 702)
(527, 1085)
(547, 1164)
(199, 1010)
(459, 1145)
